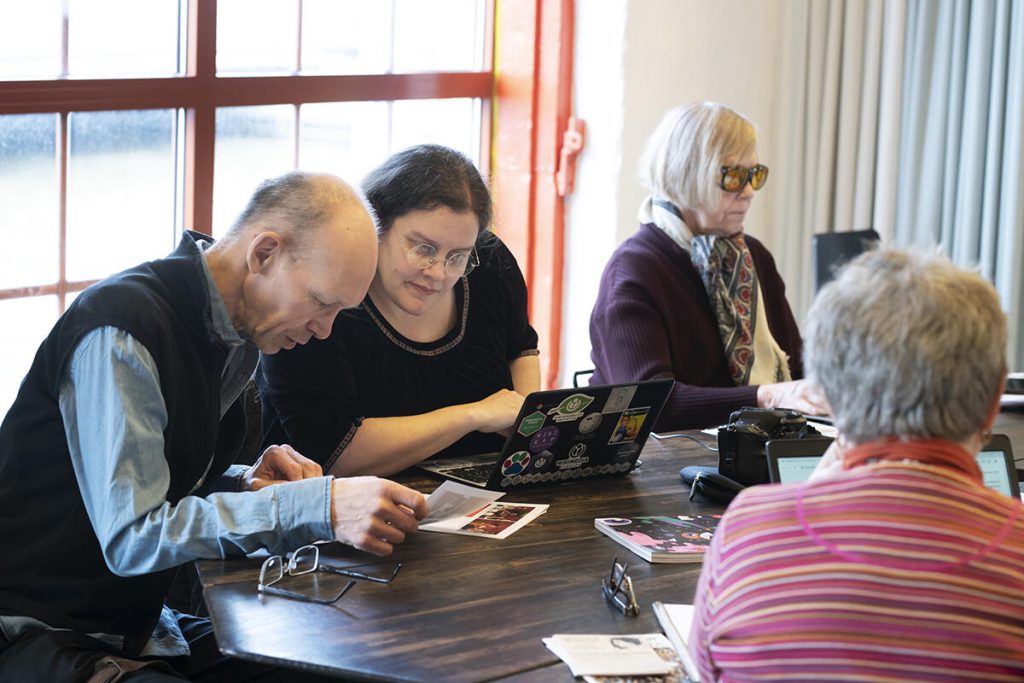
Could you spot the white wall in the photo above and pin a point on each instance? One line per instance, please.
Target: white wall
(634, 60)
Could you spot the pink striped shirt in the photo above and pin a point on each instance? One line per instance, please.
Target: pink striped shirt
(894, 571)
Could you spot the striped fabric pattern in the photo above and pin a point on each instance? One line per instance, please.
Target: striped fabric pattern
(895, 571)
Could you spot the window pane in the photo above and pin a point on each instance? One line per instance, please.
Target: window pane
(346, 36)
(253, 144)
(122, 37)
(121, 180)
(23, 325)
(29, 199)
(454, 123)
(30, 45)
(438, 35)
(257, 36)
(347, 139)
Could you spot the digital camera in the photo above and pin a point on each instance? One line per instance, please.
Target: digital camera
(741, 442)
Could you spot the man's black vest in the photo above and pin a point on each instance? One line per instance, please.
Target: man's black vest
(51, 564)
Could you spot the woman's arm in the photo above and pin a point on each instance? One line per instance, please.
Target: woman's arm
(525, 374)
(635, 338)
(385, 445)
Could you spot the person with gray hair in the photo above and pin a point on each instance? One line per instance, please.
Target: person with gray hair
(888, 372)
(116, 458)
(894, 559)
(689, 295)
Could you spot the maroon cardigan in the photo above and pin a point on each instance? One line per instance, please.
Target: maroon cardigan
(652, 319)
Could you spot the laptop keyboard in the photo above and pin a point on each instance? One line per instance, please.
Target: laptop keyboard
(476, 473)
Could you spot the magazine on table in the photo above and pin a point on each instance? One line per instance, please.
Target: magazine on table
(683, 538)
(664, 649)
(617, 657)
(470, 511)
(676, 620)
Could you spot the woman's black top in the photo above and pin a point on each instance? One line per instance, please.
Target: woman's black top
(314, 397)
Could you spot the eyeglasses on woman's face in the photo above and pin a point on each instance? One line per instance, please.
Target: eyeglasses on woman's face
(423, 256)
(735, 178)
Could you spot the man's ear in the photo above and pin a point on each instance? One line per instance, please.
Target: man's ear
(263, 250)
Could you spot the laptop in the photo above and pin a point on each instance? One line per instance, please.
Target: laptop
(566, 434)
(793, 460)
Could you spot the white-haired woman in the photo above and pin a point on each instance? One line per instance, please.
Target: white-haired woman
(689, 295)
(903, 566)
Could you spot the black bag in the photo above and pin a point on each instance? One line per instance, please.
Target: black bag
(709, 484)
(741, 442)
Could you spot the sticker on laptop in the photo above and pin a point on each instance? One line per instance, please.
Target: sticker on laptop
(544, 439)
(630, 423)
(619, 399)
(571, 408)
(590, 422)
(515, 463)
(576, 458)
(531, 423)
(625, 451)
(539, 462)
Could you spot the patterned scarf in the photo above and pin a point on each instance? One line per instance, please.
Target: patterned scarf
(727, 270)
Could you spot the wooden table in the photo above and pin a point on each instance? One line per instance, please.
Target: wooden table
(471, 609)
(474, 609)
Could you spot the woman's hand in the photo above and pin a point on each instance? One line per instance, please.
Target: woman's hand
(799, 395)
(498, 411)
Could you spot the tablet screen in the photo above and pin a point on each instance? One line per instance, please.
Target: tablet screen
(796, 468)
(993, 471)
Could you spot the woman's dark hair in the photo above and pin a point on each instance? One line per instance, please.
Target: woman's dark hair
(425, 177)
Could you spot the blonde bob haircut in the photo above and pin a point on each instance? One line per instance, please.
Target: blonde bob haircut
(683, 157)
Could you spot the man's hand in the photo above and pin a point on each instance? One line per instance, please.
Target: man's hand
(799, 395)
(277, 465)
(374, 514)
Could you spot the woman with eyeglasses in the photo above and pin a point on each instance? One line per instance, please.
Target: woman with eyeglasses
(689, 295)
(438, 357)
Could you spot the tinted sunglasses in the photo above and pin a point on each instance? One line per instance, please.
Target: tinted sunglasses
(735, 178)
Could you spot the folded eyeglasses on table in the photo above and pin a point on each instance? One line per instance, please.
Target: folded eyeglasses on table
(618, 589)
(306, 560)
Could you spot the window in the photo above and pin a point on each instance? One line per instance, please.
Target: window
(121, 123)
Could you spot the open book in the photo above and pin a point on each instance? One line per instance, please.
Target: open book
(470, 511)
(675, 620)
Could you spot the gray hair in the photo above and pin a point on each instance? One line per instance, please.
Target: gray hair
(905, 344)
(296, 205)
(682, 159)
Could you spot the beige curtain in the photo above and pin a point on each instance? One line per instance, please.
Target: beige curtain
(962, 143)
(906, 116)
(839, 72)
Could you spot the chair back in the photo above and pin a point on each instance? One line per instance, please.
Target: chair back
(830, 250)
(576, 376)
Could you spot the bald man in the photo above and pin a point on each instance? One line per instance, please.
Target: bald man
(116, 457)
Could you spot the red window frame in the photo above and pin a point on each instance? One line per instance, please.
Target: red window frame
(199, 92)
(525, 88)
